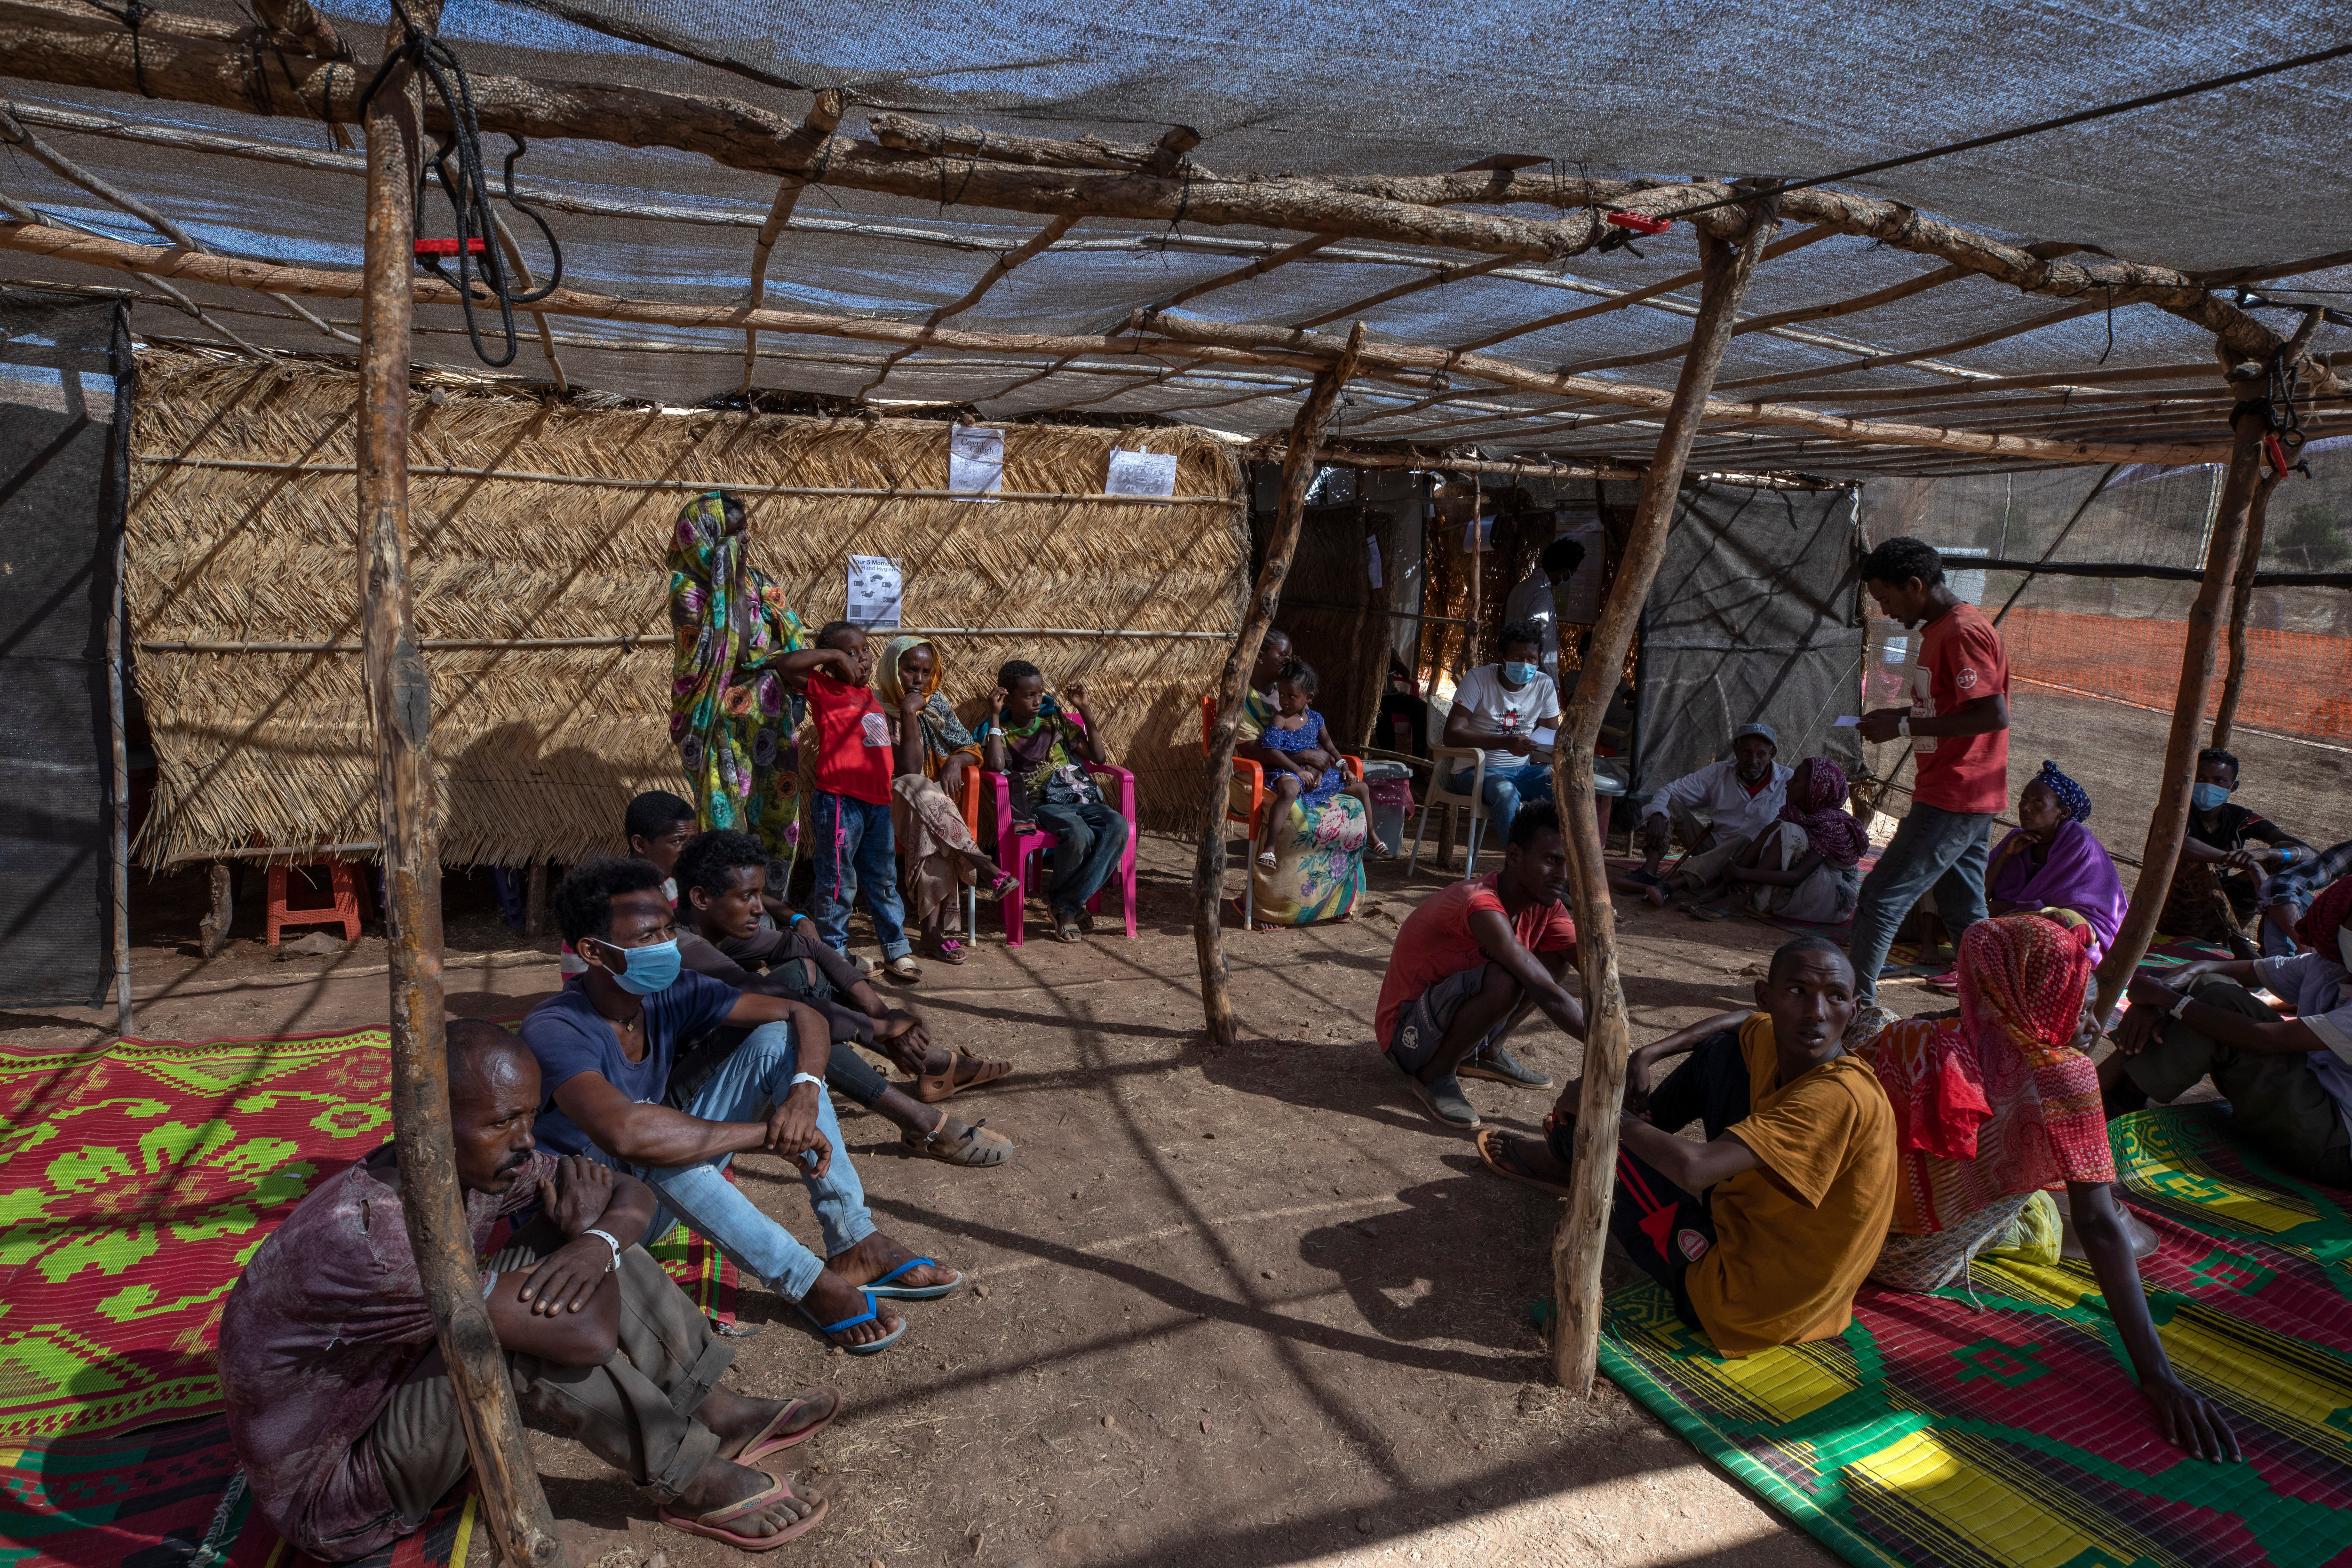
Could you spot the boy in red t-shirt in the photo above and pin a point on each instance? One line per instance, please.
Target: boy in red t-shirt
(849, 820)
(1957, 724)
(1470, 962)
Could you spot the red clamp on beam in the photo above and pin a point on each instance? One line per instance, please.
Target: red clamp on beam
(447, 248)
(2276, 453)
(1641, 223)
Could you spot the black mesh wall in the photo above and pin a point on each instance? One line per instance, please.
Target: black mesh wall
(64, 390)
(1754, 615)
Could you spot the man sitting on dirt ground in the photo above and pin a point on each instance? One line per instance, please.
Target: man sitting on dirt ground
(1764, 1232)
(607, 1047)
(1497, 709)
(720, 876)
(1741, 795)
(342, 1411)
(2288, 1081)
(1471, 961)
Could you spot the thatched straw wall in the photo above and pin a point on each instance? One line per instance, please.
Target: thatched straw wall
(538, 749)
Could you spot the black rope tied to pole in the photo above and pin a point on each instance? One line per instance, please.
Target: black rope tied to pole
(468, 191)
(130, 15)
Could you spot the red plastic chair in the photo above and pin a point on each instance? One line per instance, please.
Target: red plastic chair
(1016, 844)
(345, 908)
(1256, 773)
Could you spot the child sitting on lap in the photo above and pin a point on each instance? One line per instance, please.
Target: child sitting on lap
(1296, 727)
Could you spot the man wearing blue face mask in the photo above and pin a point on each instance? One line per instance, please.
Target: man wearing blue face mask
(607, 1051)
(1497, 709)
(2226, 867)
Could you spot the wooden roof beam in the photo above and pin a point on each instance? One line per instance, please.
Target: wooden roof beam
(194, 61)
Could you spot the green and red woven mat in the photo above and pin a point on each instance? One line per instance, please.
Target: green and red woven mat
(135, 1182)
(1932, 1433)
(164, 1497)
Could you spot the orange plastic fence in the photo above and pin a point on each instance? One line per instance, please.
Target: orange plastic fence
(2297, 683)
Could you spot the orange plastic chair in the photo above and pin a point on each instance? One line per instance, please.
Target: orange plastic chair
(345, 908)
(1256, 773)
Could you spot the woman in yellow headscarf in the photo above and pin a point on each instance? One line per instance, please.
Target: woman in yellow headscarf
(933, 751)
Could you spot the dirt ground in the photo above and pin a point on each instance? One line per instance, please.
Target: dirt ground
(1249, 1308)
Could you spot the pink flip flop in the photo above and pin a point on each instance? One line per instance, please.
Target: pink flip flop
(710, 1525)
(768, 1442)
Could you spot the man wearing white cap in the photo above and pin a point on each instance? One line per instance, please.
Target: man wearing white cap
(1740, 796)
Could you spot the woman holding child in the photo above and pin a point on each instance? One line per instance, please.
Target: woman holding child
(1308, 863)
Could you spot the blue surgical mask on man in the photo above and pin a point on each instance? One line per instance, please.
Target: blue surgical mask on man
(649, 969)
(2208, 797)
(1519, 674)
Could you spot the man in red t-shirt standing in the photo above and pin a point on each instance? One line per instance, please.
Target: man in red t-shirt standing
(1470, 962)
(1957, 725)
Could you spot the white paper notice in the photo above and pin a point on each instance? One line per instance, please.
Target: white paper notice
(1545, 739)
(1141, 474)
(1372, 558)
(874, 588)
(975, 463)
(1847, 723)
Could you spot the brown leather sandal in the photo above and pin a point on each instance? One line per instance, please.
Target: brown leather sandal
(931, 1088)
(975, 1145)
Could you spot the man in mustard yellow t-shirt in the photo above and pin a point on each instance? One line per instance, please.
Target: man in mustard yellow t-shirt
(1798, 1171)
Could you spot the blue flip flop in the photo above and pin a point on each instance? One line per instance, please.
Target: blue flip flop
(871, 1314)
(883, 1287)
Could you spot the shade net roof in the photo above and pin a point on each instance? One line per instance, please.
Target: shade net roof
(2244, 177)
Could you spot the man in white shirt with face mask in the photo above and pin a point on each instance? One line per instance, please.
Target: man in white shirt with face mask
(1497, 710)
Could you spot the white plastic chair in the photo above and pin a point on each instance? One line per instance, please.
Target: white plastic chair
(1445, 761)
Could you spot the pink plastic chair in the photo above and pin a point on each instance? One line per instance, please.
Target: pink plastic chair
(1015, 846)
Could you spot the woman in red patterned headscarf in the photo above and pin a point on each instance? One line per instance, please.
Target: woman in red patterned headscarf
(2007, 1106)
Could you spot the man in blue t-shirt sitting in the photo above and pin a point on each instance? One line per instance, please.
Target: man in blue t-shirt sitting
(608, 1046)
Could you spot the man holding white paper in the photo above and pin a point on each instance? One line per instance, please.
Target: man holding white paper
(1501, 709)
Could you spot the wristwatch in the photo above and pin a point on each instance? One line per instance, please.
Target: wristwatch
(801, 1078)
(608, 1237)
(1903, 726)
(2178, 1006)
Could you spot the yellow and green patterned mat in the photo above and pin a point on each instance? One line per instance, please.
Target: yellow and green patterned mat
(1933, 1435)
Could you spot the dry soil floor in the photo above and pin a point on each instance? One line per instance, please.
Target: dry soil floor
(1243, 1308)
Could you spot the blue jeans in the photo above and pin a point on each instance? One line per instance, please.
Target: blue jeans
(743, 1089)
(1933, 847)
(1508, 787)
(855, 850)
(1088, 843)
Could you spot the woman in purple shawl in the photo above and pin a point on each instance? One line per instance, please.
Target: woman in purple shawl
(2052, 861)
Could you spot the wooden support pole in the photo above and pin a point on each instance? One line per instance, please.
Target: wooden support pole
(401, 701)
(124, 1023)
(2168, 826)
(1577, 1248)
(534, 903)
(2241, 604)
(212, 931)
(1233, 687)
